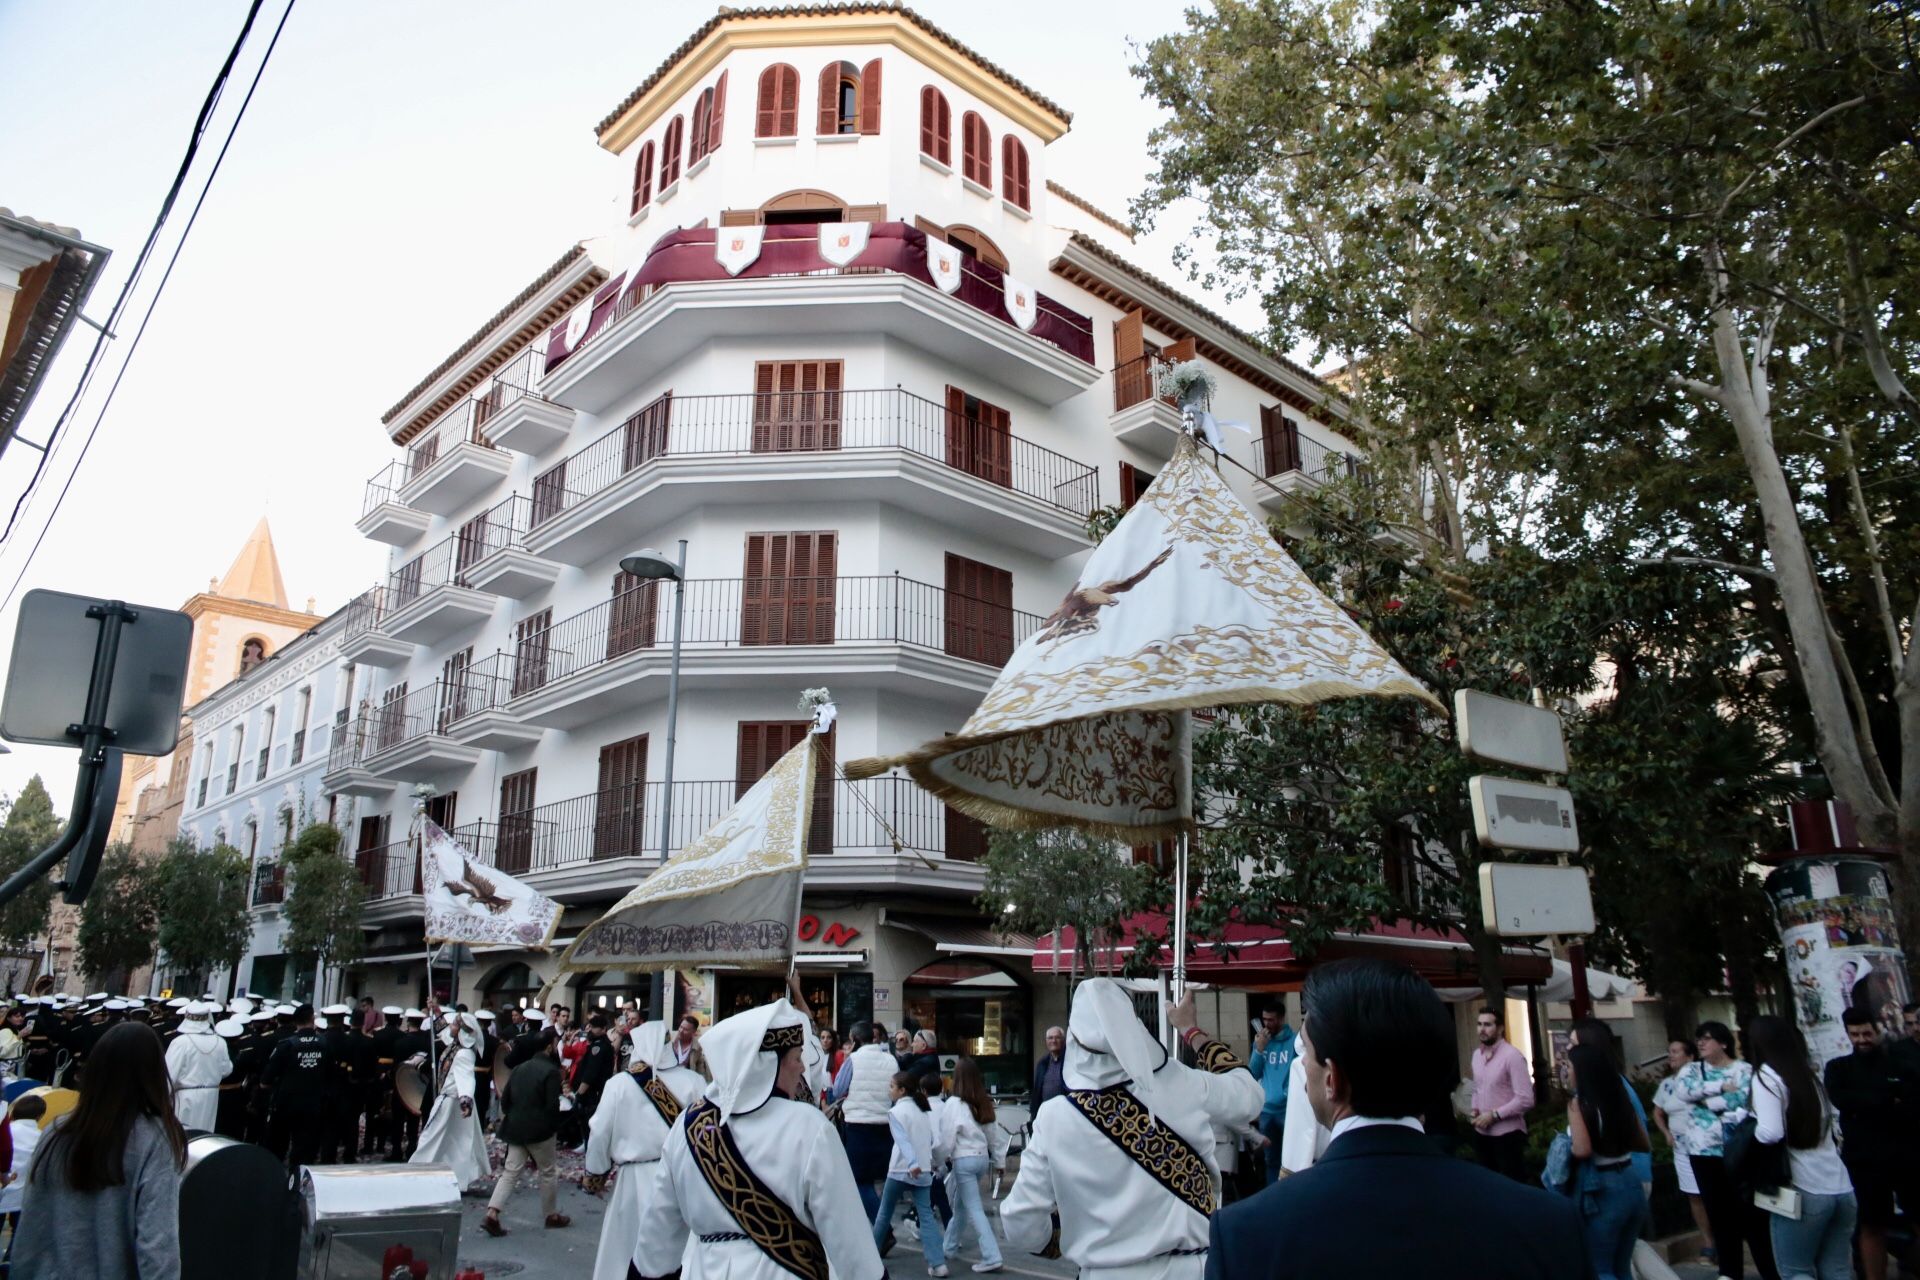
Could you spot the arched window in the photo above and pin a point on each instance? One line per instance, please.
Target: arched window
(643, 178)
(976, 150)
(716, 118)
(1013, 172)
(252, 654)
(936, 125)
(975, 245)
(702, 117)
(670, 153)
(779, 105)
(849, 98)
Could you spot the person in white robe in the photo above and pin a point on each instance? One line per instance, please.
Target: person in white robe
(197, 1061)
(793, 1209)
(1134, 1188)
(1306, 1139)
(452, 1134)
(625, 1138)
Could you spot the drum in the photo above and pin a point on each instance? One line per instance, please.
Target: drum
(59, 1102)
(410, 1086)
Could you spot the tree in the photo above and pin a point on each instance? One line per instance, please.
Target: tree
(1039, 881)
(116, 934)
(203, 908)
(31, 826)
(1625, 280)
(322, 908)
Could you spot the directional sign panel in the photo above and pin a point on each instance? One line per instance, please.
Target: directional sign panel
(1522, 815)
(1507, 732)
(1521, 901)
(52, 669)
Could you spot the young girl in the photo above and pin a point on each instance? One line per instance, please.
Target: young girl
(910, 1171)
(968, 1133)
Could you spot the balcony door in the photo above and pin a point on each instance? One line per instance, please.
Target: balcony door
(631, 613)
(978, 438)
(514, 852)
(1279, 441)
(786, 592)
(796, 406)
(619, 816)
(1133, 484)
(979, 611)
(456, 690)
(530, 643)
(762, 743)
(470, 544)
(645, 434)
(390, 730)
(370, 854)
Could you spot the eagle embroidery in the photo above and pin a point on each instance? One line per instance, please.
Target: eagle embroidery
(478, 888)
(1079, 613)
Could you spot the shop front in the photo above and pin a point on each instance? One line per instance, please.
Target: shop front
(980, 1009)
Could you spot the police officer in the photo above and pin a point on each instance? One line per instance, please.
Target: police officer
(483, 1069)
(377, 1098)
(304, 1077)
(590, 1075)
(260, 1042)
(230, 1121)
(350, 1060)
(43, 1026)
(405, 1135)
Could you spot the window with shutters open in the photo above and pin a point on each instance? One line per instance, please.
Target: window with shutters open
(424, 455)
(646, 433)
(620, 809)
(370, 852)
(979, 611)
(456, 688)
(642, 179)
(976, 150)
(530, 651)
(406, 583)
(796, 406)
(631, 613)
(470, 544)
(966, 836)
(514, 852)
(936, 125)
(1133, 483)
(1279, 441)
(391, 723)
(762, 743)
(979, 439)
(1013, 173)
(702, 117)
(778, 108)
(787, 591)
(717, 116)
(670, 153)
(849, 99)
(549, 494)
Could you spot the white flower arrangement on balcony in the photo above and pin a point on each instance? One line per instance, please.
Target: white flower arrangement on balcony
(812, 698)
(1187, 384)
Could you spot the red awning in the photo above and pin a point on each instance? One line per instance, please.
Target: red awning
(1264, 959)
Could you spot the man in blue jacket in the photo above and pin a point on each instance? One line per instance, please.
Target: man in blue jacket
(1274, 1048)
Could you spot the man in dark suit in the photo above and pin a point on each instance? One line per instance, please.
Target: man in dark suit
(1379, 1051)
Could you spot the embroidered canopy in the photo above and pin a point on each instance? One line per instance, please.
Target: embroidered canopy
(1189, 602)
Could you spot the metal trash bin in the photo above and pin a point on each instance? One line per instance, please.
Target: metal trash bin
(365, 1220)
(238, 1216)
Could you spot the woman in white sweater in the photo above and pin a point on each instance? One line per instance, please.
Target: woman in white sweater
(1789, 1106)
(968, 1134)
(910, 1169)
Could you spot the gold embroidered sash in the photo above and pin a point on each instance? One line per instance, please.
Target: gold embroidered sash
(1217, 1058)
(764, 1217)
(663, 1100)
(1156, 1148)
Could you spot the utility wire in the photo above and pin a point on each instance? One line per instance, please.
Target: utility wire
(200, 123)
(147, 317)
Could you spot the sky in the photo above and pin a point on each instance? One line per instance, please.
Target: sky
(403, 170)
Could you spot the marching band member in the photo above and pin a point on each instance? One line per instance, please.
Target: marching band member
(752, 1185)
(637, 1110)
(452, 1134)
(197, 1062)
(1142, 1217)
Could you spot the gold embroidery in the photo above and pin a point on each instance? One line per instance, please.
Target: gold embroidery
(1156, 1148)
(778, 1039)
(663, 1100)
(1217, 1058)
(766, 1219)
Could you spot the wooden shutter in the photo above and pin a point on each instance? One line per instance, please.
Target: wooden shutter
(966, 837)
(979, 439)
(646, 433)
(1133, 483)
(1279, 441)
(470, 544)
(1183, 350)
(762, 743)
(787, 591)
(642, 179)
(766, 116)
(976, 144)
(619, 813)
(549, 494)
(870, 97)
(716, 119)
(406, 583)
(796, 405)
(739, 217)
(702, 114)
(1132, 375)
(530, 643)
(936, 125)
(370, 857)
(514, 851)
(631, 613)
(788, 116)
(829, 117)
(1013, 172)
(670, 152)
(979, 611)
(456, 699)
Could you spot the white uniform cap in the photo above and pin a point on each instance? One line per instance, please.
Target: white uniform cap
(228, 1028)
(118, 1004)
(240, 1005)
(336, 1010)
(319, 1023)
(200, 1009)
(485, 1015)
(413, 1014)
(286, 1010)
(265, 1015)
(391, 1011)
(534, 1015)
(99, 995)
(178, 1002)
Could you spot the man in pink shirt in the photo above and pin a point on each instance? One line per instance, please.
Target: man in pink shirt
(1502, 1095)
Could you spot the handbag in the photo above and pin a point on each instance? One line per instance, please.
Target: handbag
(1752, 1163)
(1558, 1175)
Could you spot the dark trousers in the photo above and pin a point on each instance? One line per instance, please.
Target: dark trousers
(372, 1107)
(341, 1143)
(1735, 1221)
(869, 1146)
(404, 1134)
(1504, 1153)
(296, 1130)
(13, 1229)
(1273, 1128)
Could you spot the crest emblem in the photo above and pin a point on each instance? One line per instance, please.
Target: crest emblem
(738, 249)
(738, 244)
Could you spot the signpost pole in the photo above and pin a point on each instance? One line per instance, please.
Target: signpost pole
(1582, 998)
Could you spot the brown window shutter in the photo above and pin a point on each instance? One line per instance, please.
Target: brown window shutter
(619, 807)
(975, 141)
(549, 494)
(870, 97)
(631, 614)
(829, 116)
(932, 230)
(979, 611)
(866, 213)
(966, 837)
(930, 121)
(1133, 483)
(766, 118)
(642, 178)
(1180, 351)
(530, 651)
(702, 115)
(789, 114)
(766, 382)
(716, 119)
(787, 596)
(753, 590)
(1013, 172)
(762, 743)
(472, 544)
(1129, 339)
(514, 851)
(739, 217)
(796, 405)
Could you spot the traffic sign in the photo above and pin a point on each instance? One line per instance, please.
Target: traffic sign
(53, 668)
(1518, 900)
(1522, 815)
(1507, 732)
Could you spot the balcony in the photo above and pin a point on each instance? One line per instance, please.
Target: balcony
(269, 883)
(826, 446)
(478, 713)
(383, 517)
(428, 598)
(407, 738)
(453, 463)
(886, 632)
(498, 561)
(645, 322)
(519, 418)
(601, 843)
(363, 640)
(1294, 463)
(1142, 419)
(347, 772)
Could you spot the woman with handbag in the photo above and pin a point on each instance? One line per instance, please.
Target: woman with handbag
(1716, 1086)
(1790, 1108)
(1605, 1132)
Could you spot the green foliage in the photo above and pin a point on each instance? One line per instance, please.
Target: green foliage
(1039, 881)
(31, 826)
(202, 898)
(324, 894)
(116, 934)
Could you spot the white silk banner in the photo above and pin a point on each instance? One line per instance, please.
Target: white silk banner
(1022, 303)
(577, 324)
(737, 248)
(842, 242)
(943, 264)
(468, 901)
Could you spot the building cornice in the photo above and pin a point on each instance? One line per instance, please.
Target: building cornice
(834, 24)
(206, 602)
(1087, 206)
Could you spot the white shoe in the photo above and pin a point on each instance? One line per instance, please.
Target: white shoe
(907, 1231)
(987, 1266)
(940, 1270)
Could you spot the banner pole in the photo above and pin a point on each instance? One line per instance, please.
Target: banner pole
(1180, 918)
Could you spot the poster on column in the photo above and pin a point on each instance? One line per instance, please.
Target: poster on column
(1841, 945)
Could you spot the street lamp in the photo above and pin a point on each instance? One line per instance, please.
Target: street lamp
(653, 566)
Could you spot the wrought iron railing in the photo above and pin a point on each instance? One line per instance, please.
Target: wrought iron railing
(1292, 449)
(515, 380)
(364, 612)
(1133, 381)
(457, 426)
(269, 883)
(384, 487)
(815, 422)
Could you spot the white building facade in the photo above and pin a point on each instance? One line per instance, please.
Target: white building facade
(883, 486)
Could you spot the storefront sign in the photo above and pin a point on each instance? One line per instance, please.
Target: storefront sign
(832, 933)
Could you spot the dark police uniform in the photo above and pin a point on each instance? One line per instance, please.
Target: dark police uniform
(304, 1077)
(376, 1097)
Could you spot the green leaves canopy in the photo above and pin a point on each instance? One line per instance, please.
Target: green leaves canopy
(324, 895)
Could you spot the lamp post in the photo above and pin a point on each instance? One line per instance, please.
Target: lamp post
(653, 565)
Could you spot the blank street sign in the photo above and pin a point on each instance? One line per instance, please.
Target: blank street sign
(1508, 732)
(52, 665)
(1522, 815)
(1521, 901)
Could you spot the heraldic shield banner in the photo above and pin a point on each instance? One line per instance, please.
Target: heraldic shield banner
(468, 901)
(731, 897)
(1189, 602)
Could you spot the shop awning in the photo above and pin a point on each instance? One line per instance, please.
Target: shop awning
(1263, 957)
(953, 935)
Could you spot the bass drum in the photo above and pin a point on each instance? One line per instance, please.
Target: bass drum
(410, 1086)
(500, 1069)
